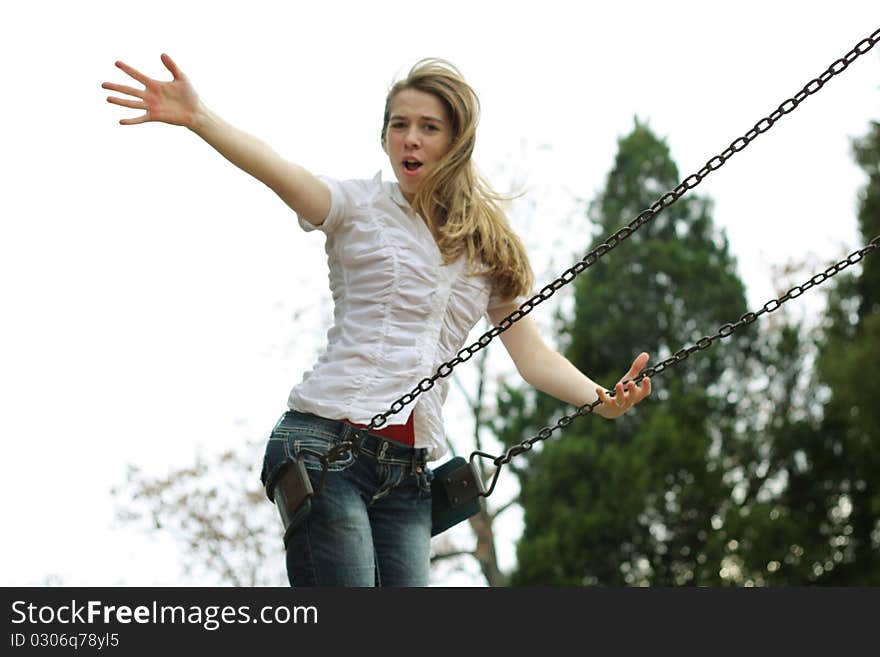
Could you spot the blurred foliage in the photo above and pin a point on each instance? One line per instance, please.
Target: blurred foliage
(749, 465)
(218, 514)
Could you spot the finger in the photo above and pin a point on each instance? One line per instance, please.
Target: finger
(619, 395)
(133, 72)
(121, 88)
(642, 390)
(171, 66)
(638, 365)
(139, 119)
(134, 104)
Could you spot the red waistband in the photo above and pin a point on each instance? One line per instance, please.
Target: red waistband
(401, 433)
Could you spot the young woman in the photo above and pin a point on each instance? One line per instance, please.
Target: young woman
(414, 264)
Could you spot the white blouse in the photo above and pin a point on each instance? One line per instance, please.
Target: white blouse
(399, 312)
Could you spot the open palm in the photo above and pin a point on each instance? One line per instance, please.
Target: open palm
(173, 102)
(626, 393)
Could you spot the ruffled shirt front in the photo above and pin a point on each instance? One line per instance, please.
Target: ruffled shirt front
(399, 312)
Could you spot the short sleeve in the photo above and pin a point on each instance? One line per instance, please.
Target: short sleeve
(497, 301)
(338, 208)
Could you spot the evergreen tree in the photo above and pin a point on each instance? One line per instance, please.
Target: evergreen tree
(634, 501)
(833, 491)
(759, 465)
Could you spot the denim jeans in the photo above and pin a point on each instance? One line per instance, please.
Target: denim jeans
(371, 524)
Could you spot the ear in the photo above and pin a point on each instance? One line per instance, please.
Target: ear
(384, 143)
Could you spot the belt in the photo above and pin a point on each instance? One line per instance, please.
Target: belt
(379, 443)
(402, 433)
(391, 452)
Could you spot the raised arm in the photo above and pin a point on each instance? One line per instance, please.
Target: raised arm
(176, 102)
(552, 373)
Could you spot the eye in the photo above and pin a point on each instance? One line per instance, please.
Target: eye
(398, 124)
(431, 127)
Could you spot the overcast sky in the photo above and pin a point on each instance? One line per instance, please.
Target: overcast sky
(149, 287)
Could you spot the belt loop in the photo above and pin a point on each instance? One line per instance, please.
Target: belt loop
(348, 434)
(351, 434)
(417, 459)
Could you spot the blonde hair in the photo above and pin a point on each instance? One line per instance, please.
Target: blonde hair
(461, 209)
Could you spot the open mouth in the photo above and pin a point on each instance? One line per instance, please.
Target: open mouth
(412, 165)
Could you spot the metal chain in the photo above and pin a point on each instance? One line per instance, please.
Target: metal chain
(683, 354)
(611, 242)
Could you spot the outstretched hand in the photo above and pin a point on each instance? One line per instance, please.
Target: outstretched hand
(626, 395)
(174, 102)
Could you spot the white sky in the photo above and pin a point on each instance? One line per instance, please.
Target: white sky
(148, 285)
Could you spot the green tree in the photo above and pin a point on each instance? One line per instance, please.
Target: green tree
(848, 358)
(830, 506)
(760, 465)
(634, 501)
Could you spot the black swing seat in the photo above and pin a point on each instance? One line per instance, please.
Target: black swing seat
(455, 493)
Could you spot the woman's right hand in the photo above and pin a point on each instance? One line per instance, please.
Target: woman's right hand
(175, 102)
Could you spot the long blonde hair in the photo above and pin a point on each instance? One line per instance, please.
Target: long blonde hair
(459, 206)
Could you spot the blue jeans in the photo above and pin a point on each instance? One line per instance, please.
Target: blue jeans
(371, 525)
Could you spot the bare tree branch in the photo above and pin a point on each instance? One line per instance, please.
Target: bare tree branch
(451, 555)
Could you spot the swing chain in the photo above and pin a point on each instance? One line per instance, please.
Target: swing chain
(647, 215)
(703, 343)
(665, 201)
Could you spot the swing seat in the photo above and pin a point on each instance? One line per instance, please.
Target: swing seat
(455, 494)
(292, 494)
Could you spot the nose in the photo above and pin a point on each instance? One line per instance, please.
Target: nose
(411, 139)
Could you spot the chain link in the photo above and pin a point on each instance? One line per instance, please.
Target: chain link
(683, 354)
(611, 242)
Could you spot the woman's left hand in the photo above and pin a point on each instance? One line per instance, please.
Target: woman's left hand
(625, 395)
